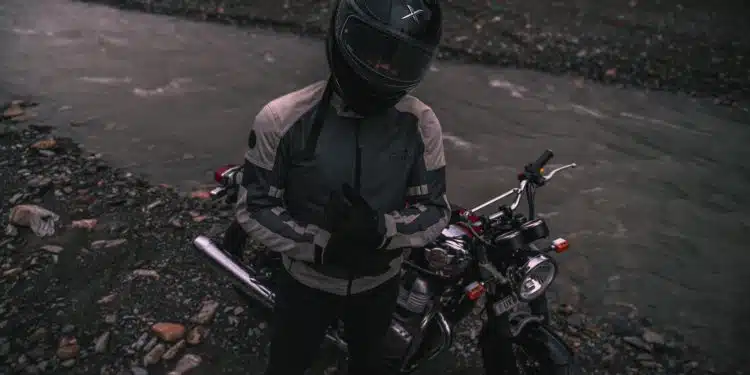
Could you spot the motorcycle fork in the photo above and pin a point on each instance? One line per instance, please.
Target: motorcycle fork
(496, 344)
(540, 307)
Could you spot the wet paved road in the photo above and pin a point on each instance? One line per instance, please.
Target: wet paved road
(656, 213)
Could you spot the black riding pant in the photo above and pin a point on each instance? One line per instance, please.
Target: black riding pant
(303, 314)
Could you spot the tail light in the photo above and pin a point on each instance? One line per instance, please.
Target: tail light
(219, 173)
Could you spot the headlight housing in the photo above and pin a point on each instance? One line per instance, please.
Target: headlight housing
(534, 276)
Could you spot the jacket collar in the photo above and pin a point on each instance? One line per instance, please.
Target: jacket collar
(341, 107)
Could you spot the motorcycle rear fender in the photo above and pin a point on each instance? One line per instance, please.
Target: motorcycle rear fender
(542, 337)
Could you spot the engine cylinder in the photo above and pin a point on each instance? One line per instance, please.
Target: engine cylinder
(413, 302)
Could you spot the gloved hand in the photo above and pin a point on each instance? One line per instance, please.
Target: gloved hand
(352, 215)
(357, 231)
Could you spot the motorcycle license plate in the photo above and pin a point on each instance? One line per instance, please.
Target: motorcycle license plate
(505, 304)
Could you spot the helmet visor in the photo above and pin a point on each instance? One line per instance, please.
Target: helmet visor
(402, 64)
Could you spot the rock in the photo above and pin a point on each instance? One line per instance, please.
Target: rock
(106, 244)
(238, 310)
(174, 350)
(151, 344)
(154, 356)
(146, 273)
(644, 357)
(135, 370)
(100, 345)
(175, 222)
(42, 366)
(206, 313)
(40, 220)
(10, 230)
(637, 343)
(68, 328)
(12, 272)
(13, 110)
(106, 299)
(185, 364)
(84, 224)
(653, 338)
(565, 309)
(38, 335)
(196, 335)
(154, 204)
(68, 348)
(44, 144)
(39, 182)
(110, 319)
(54, 249)
(650, 364)
(169, 332)
(138, 344)
(13, 200)
(68, 363)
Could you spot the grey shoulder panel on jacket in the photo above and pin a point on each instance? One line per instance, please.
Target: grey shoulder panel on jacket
(275, 120)
(429, 128)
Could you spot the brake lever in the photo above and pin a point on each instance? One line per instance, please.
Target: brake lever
(548, 176)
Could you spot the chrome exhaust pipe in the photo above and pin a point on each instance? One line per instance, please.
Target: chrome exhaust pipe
(238, 273)
(241, 276)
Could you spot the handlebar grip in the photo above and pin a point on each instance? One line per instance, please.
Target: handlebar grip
(542, 160)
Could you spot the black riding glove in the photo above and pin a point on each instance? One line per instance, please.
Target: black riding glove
(357, 232)
(361, 221)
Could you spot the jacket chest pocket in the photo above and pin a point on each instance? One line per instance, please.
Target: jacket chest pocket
(386, 173)
(313, 178)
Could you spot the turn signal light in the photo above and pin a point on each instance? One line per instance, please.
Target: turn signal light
(474, 291)
(560, 245)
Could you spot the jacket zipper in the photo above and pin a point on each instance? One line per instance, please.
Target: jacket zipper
(357, 183)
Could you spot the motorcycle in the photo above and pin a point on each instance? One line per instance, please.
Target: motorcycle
(500, 262)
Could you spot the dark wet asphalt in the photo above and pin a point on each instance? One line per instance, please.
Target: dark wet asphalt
(656, 213)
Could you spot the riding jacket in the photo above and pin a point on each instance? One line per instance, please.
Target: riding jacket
(393, 158)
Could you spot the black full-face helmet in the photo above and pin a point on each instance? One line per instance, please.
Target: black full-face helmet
(379, 50)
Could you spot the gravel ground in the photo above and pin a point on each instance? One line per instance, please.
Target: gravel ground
(110, 284)
(692, 47)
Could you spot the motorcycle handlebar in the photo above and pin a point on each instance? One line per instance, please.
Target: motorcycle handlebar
(541, 161)
(520, 189)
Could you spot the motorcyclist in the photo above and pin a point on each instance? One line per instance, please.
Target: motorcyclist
(342, 176)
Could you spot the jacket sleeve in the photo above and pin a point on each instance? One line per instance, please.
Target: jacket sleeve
(427, 214)
(260, 208)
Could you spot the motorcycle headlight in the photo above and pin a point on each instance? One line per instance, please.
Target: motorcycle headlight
(535, 276)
